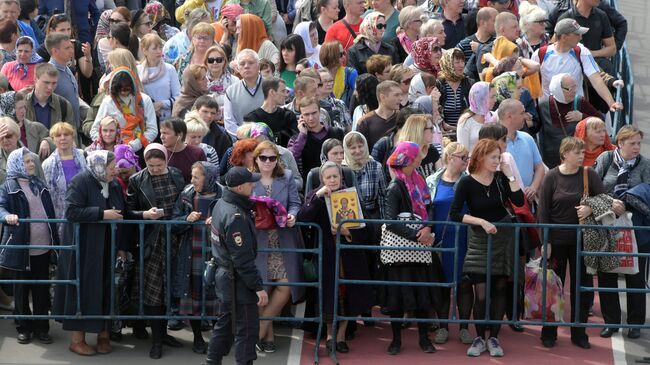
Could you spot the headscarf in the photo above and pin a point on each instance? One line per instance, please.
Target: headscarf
(422, 54)
(302, 30)
(98, 144)
(16, 169)
(325, 149)
(156, 146)
(447, 65)
(135, 125)
(591, 156)
(232, 11)
(35, 58)
(190, 91)
(505, 84)
(479, 99)
(501, 48)
(96, 163)
(405, 42)
(252, 33)
(210, 183)
(368, 28)
(404, 154)
(157, 13)
(259, 129)
(103, 26)
(8, 104)
(355, 165)
(555, 87)
(125, 158)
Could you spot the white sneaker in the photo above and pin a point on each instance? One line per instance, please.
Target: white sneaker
(494, 347)
(478, 347)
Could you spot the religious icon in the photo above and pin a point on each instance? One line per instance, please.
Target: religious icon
(343, 205)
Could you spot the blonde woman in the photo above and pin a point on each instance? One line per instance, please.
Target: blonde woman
(196, 131)
(195, 84)
(219, 74)
(202, 38)
(419, 129)
(403, 76)
(159, 78)
(410, 23)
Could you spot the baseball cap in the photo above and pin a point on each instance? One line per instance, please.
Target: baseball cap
(238, 175)
(568, 26)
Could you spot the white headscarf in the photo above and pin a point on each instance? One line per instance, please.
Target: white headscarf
(302, 30)
(555, 87)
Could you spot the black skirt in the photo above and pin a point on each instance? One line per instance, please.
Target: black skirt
(395, 298)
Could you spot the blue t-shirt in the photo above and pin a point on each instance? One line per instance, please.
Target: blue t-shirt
(526, 155)
(441, 205)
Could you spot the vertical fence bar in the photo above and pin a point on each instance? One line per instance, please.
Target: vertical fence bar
(320, 288)
(454, 289)
(76, 227)
(337, 269)
(578, 263)
(141, 272)
(515, 284)
(488, 277)
(113, 229)
(544, 270)
(204, 258)
(168, 268)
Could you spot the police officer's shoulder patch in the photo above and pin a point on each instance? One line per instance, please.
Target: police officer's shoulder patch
(237, 238)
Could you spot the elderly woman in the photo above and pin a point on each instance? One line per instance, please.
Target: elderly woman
(277, 184)
(152, 194)
(109, 135)
(92, 196)
(194, 85)
(532, 22)
(332, 150)
(24, 195)
(489, 188)
(560, 113)
(593, 133)
(20, 72)
(194, 205)
(202, 39)
(35, 134)
(355, 299)
(160, 20)
(159, 79)
(369, 42)
(559, 203)
(219, 73)
(624, 169)
(10, 137)
(453, 85)
(481, 101)
(63, 164)
(332, 57)
(442, 187)
(410, 23)
(407, 194)
(133, 109)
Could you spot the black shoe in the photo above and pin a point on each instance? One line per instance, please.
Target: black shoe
(342, 347)
(205, 326)
(199, 346)
(634, 333)
(170, 341)
(583, 343)
(115, 336)
(44, 338)
(426, 345)
(330, 345)
(548, 342)
(24, 338)
(394, 348)
(516, 327)
(156, 351)
(608, 332)
(175, 325)
(140, 333)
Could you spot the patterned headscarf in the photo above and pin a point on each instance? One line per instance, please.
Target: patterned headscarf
(96, 163)
(368, 28)
(505, 85)
(422, 54)
(35, 58)
(259, 129)
(404, 154)
(103, 26)
(211, 173)
(16, 169)
(232, 11)
(447, 65)
(98, 144)
(157, 12)
(479, 100)
(355, 165)
(125, 158)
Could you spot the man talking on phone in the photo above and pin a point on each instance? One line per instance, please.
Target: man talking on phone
(238, 282)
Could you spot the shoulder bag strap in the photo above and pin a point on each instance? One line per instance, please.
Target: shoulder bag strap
(559, 115)
(347, 25)
(585, 182)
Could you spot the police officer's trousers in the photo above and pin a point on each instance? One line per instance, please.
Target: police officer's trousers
(247, 328)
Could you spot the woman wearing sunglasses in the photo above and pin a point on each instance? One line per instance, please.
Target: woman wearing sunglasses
(369, 42)
(219, 74)
(159, 79)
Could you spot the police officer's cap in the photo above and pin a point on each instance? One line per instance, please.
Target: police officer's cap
(238, 175)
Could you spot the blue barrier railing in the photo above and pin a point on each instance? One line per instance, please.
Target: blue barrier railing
(112, 315)
(453, 284)
(623, 66)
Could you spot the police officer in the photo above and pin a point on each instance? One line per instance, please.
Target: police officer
(237, 280)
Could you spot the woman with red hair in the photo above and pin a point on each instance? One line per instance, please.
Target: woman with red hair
(240, 154)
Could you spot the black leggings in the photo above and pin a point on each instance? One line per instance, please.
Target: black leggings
(497, 306)
(465, 301)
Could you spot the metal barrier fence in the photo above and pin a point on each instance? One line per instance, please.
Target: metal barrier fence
(112, 315)
(453, 285)
(623, 67)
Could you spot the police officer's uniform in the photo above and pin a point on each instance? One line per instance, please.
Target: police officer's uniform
(237, 279)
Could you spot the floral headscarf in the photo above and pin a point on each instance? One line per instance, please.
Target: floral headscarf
(368, 28)
(103, 26)
(125, 158)
(98, 144)
(447, 71)
(96, 163)
(259, 129)
(479, 100)
(422, 54)
(404, 154)
(277, 209)
(354, 164)
(35, 58)
(16, 169)
(555, 87)
(505, 85)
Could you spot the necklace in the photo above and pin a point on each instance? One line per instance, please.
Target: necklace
(487, 190)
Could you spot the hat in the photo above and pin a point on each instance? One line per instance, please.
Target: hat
(569, 26)
(238, 175)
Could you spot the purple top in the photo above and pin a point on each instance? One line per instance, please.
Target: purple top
(69, 170)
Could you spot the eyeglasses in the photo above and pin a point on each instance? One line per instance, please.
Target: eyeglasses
(381, 26)
(462, 158)
(267, 158)
(341, 54)
(540, 21)
(214, 60)
(407, 81)
(328, 81)
(569, 89)
(202, 38)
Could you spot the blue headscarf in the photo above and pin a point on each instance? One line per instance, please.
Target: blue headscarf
(16, 169)
(211, 173)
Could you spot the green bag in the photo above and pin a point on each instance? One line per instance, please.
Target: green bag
(310, 273)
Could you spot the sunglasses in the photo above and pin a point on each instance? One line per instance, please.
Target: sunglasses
(462, 158)
(267, 158)
(215, 60)
(381, 26)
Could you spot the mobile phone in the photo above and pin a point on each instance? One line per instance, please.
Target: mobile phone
(160, 210)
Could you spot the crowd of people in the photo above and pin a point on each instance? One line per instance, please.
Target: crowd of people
(471, 111)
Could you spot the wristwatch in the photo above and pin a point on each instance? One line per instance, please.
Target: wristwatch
(511, 178)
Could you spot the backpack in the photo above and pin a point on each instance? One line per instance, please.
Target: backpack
(544, 48)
